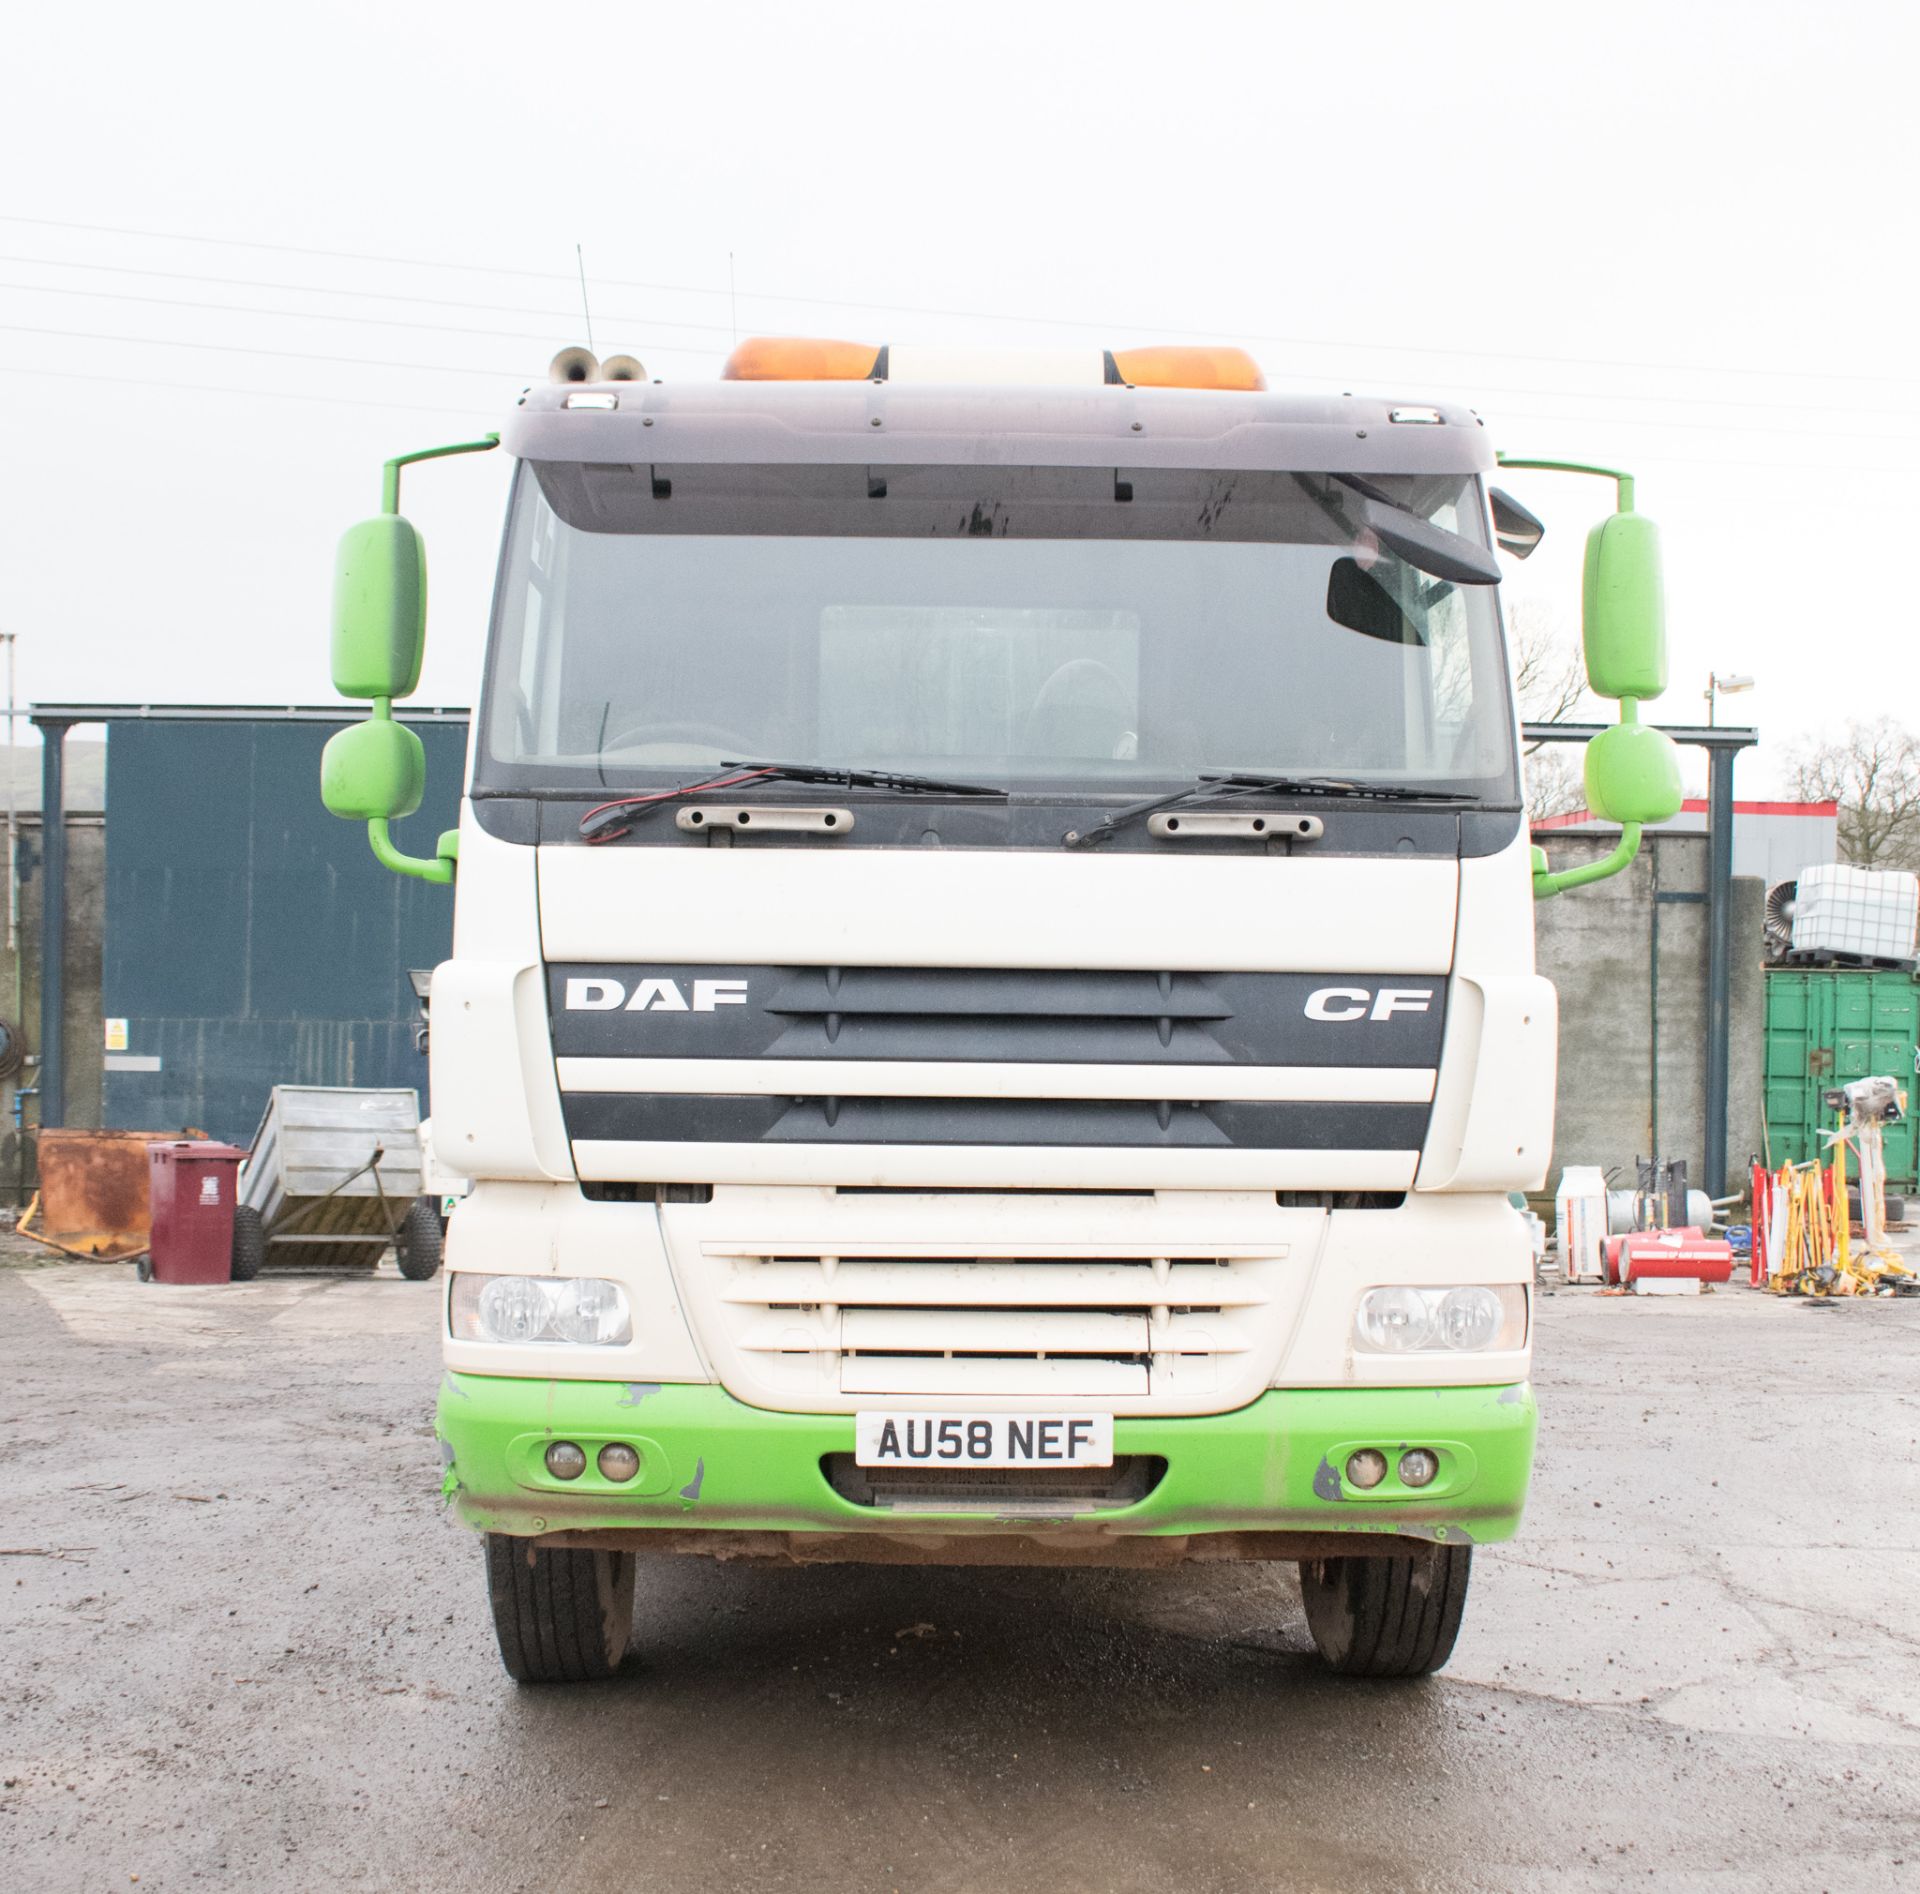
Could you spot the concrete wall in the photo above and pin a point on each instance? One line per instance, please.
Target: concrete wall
(86, 907)
(1625, 1089)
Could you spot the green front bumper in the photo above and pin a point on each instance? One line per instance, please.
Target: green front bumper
(710, 1462)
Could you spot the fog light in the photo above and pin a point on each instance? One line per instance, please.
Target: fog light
(1366, 1468)
(618, 1461)
(1418, 1466)
(565, 1461)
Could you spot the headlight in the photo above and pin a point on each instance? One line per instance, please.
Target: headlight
(591, 1312)
(1440, 1320)
(582, 1310)
(1468, 1318)
(509, 1308)
(1394, 1320)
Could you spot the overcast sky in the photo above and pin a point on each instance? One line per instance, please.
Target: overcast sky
(247, 252)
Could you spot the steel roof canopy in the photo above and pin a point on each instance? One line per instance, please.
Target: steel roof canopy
(887, 424)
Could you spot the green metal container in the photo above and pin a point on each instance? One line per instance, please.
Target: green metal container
(1827, 1026)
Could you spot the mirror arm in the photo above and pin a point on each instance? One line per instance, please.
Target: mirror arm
(1623, 481)
(1546, 881)
(1545, 884)
(390, 473)
(439, 869)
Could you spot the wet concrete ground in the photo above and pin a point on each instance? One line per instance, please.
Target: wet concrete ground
(240, 1647)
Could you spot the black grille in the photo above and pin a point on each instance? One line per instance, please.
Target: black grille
(1228, 1124)
(1013, 1016)
(994, 1489)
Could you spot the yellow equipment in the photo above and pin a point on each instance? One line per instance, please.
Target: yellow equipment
(1817, 1257)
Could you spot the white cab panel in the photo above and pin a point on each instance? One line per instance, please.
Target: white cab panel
(997, 908)
(932, 1078)
(496, 911)
(1492, 1124)
(496, 1105)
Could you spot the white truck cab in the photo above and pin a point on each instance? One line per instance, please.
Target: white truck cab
(992, 1013)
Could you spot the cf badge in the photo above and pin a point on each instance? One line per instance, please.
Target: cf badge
(1338, 1004)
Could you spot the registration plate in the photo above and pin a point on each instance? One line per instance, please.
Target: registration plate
(983, 1440)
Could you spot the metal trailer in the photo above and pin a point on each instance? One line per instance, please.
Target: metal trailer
(333, 1178)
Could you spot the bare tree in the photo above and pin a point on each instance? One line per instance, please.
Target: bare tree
(1550, 680)
(1873, 773)
(1549, 670)
(1555, 785)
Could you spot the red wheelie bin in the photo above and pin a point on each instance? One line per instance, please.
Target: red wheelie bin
(192, 1184)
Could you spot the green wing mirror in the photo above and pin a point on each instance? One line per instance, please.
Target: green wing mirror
(376, 772)
(379, 608)
(373, 772)
(1632, 771)
(1623, 613)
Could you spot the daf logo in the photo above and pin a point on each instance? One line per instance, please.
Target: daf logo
(653, 996)
(1338, 1004)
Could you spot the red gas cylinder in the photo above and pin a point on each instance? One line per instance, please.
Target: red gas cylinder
(1673, 1253)
(192, 1185)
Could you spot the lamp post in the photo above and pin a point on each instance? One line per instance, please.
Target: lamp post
(1723, 684)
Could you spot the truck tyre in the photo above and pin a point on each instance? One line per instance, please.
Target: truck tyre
(562, 1617)
(249, 1242)
(417, 1246)
(1387, 1617)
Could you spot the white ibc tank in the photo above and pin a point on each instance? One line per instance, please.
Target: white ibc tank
(1865, 912)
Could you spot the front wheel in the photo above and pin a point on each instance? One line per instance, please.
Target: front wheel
(562, 1617)
(1387, 1617)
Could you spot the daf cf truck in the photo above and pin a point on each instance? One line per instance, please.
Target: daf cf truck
(992, 1015)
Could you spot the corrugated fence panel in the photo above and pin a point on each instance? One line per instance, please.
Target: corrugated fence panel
(1827, 1026)
(251, 938)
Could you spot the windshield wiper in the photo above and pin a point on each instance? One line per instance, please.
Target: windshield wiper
(610, 820)
(1338, 786)
(1225, 786)
(902, 780)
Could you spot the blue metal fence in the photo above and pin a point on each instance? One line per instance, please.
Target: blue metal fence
(251, 938)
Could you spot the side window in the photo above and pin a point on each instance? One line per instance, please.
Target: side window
(527, 700)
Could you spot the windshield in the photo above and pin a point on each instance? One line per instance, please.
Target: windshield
(1049, 630)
